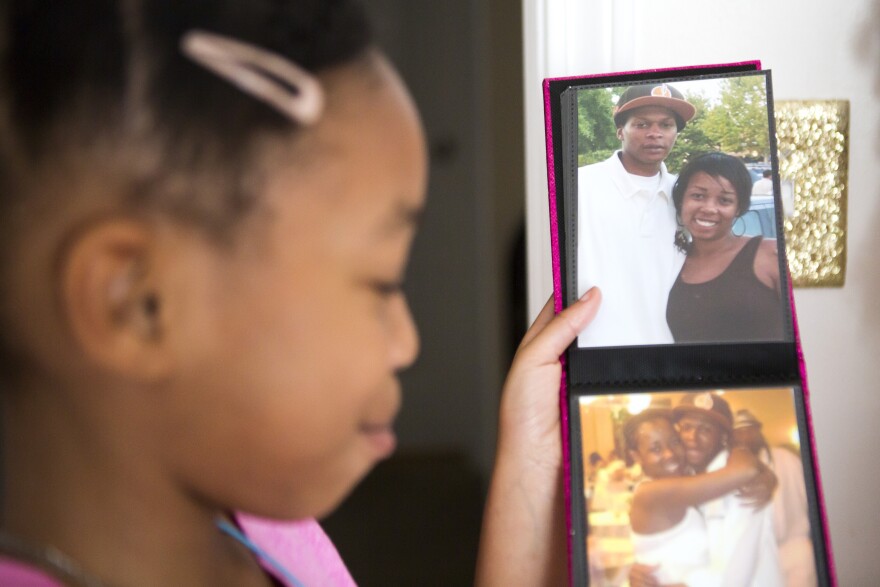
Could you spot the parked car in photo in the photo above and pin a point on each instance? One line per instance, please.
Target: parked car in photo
(759, 219)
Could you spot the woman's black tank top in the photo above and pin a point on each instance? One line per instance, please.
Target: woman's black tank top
(733, 307)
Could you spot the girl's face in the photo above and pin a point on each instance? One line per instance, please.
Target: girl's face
(660, 452)
(289, 346)
(709, 206)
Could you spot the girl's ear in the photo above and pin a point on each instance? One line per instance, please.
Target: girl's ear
(111, 299)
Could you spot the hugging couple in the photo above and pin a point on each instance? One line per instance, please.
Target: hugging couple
(700, 517)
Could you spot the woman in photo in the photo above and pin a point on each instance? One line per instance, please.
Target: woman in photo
(668, 532)
(729, 286)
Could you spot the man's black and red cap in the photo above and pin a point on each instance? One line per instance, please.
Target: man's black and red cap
(653, 95)
(710, 405)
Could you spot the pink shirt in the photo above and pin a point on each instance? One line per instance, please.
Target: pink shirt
(301, 547)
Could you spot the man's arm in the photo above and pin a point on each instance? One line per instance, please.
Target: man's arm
(759, 491)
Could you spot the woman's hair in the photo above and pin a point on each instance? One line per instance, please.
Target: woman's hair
(631, 426)
(715, 165)
(100, 89)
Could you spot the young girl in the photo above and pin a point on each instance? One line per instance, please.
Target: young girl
(207, 211)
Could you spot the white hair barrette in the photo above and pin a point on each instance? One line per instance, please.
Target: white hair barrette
(265, 75)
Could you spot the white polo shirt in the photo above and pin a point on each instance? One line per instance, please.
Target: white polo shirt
(625, 246)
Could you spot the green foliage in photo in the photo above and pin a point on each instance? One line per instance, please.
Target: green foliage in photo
(733, 121)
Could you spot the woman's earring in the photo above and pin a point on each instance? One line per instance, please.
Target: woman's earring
(688, 237)
(742, 224)
(683, 237)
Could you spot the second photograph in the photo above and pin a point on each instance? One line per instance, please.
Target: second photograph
(696, 488)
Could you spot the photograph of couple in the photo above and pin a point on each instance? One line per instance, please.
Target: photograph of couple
(676, 213)
(695, 488)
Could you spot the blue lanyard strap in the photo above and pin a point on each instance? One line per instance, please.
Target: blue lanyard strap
(261, 554)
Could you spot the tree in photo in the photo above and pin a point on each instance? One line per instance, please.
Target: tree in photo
(597, 135)
(692, 140)
(739, 123)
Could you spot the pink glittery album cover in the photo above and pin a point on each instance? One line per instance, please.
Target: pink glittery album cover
(687, 438)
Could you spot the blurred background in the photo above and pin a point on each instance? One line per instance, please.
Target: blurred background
(478, 276)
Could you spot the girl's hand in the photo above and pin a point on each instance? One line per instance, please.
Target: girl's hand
(523, 540)
(529, 417)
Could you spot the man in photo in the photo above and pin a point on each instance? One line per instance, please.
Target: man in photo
(739, 526)
(764, 186)
(736, 521)
(626, 221)
(791, 520)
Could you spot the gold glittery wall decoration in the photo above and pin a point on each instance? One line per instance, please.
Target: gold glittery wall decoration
(813, 146)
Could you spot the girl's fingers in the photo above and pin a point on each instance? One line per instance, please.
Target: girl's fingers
(550, 335)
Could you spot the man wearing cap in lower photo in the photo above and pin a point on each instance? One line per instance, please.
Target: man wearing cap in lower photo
(791, 521)
(626, 221)
(739, 525)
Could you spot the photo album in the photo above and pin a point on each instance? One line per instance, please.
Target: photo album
(688, 441)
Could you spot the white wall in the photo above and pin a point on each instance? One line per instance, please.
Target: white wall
(815, 49)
